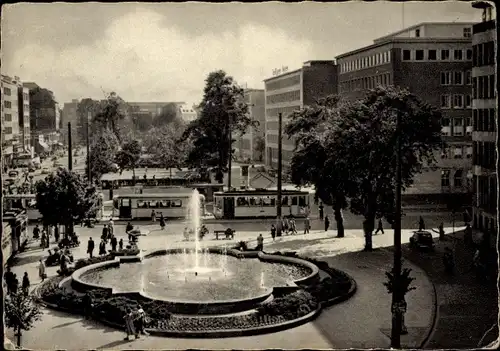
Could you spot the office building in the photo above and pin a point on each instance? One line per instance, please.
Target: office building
(250, 146)
(290, 91)
(188, 114)
(485, 119)
(434, 62)
(70, 114)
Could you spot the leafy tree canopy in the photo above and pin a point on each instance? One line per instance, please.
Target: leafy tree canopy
(169, 114)
(86, 106)
(222, 110)
(129, 155)
(21, 313)
(113, 110)
(165, 146)
(64, 197)
(102, 154)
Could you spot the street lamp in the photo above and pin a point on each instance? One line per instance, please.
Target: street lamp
(280, 171)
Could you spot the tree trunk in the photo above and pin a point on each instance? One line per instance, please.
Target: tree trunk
(133, 176)
(18, 336)
(337, 211)
(368, 227)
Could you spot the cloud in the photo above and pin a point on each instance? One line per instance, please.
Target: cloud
(143, 60)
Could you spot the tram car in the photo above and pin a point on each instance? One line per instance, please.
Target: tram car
(140, 206)
(260, 204)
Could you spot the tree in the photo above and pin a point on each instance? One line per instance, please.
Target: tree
(165, 146)
(102, 154)
(400, 287)
(223, 111)
(361, 144)
(128, 156)
(21, 313)
(260, 147)
(169, 114)
(64, 198)
(85, 107)
(310, 164)
(112, 111)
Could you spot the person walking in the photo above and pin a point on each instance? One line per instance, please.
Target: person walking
(327, 223)
(9, 278)
(273, 231)
(15, 284)
(26, 284)
(162, 222)
(114, 243)
(421, 224)
(129, 324)
(153, 216)
(102, 248)
(140, 321)
(260, 243)
(321, 207)
(293, 226)
(41, 270)
(56, 233)
(120, 244)
(380, 227)
(307, 225)
(105, 233)
(90, 247)
(111, 228)
(285, 225)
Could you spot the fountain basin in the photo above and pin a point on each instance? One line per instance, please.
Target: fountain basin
(236, 292)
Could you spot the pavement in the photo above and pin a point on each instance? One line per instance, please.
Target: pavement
(360, 322)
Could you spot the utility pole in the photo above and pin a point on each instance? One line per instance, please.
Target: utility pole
(280, 171)
(70, 148)
(89, 175)
(2, 332)
(230, 151)
(397, 295)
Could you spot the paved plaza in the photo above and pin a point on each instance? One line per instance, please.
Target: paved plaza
(361, 322)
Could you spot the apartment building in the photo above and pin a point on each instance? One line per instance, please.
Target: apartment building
(250, 146)
(290, 91)
(485, 119)
(70, 114)
(434, 62)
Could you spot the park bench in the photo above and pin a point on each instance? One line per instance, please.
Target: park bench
(229, 235)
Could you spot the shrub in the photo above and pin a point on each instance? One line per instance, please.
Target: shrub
(286, 306)
(82, 262)
(242, 246)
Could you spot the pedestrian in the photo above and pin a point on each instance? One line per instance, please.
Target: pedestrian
(380, 227)
(26, 284)
(307, 225)
(162, 222)
(285, 225)
(441, 231)
(15, 284)
(105, 233)
(90, 247)
(129, 324)
(56, 233)
(260, 243)
(120, 244)
(87, 305)
(140, 321)
(327, 223)
(114, 242)
(468, 235)
(9, 278)
(421, 224)
(111, 228)
(273, 231)
(321, 210)
(36, 232)
(153, 216)
(41, 270)
(293, 226)
(102, 248)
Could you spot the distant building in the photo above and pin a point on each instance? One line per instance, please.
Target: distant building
(69, 114)
(154, 107)
(485, 120)
(434, 62)
(247, 147)
(291, 91)
(188, 114)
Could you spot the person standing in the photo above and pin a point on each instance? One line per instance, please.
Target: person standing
(41, 270)
(293, 227)
(9, 278)
(56, 233)
(327, 223)
(260, 243)
(140, 318)
(153, 216)
(15, 284)
(26, 284)
(102, 248)
(36, 232)
(162, 222)
(273, 231)
(114, 242)
(421, 224)
(380, 228)
(307, 225)
(285, 225)
(90, 247)
(120, 244)
(105, 233)
(129, 324)
(321, 211)
(111, 228)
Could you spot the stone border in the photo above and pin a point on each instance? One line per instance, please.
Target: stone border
(201, 307)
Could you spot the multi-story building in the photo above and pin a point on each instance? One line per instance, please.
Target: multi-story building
(434, 62)
(250, 146)
(485, 119)
(69, 114)
(291, 91)
(154, 107)
(23, 98)
(188, 114)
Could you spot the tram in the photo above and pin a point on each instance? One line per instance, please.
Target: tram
(25, 202)
(260, 204)
(139, 206)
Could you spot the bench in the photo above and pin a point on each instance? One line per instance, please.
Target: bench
(223, 232)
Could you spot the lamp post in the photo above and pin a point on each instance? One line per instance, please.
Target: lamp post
(280, 171)
(70, 148)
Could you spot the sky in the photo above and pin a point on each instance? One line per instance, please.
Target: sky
(164, 51)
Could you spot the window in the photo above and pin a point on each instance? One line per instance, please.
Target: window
(458, 55)
(469, 54)
(457, 152)
(432, 55)
(467, 32)
(457, 179)
(419, 55)
(445, 178)
(446, 78)
(25, 97)
(468, 152)
(445, 122)
(458, 101)
(491, 86)
(468, 77)
(445, 101)
(175, 203)
(458, 78)
(458, 127)
(6, 91)
(406, 55)
(417, 33)
(8, 117)
(468, 101)
(7, 104)
(445, 152)
(468, 128)
(445, 55)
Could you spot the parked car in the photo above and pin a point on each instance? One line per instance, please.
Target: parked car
(422, 239)
(13, 173)
(57, 164)
(45, 170)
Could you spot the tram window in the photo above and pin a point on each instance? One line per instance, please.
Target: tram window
(153, 204)
(218, 202)
(284, 201)
(165, 203)
(294, 200)
(252, 201)
(175, 203)
(142, 204)
(302, 200)
(266, 201)
(126, 202)
(259, 201)
(241, 201)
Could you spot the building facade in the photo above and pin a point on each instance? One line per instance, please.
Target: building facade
(485, 120)
(188, 114)
(154, 107)
(250, 146)
(291, 91)
(434, 62)
(70, 114)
